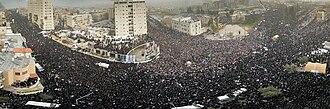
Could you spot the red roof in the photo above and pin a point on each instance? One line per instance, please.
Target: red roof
(33, 75)
(22, 50)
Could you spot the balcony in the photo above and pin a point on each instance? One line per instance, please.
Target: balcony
(30, 86)
(26, 84)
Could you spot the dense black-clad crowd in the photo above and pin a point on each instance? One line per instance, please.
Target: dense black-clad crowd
(178, 48)
(216, 68)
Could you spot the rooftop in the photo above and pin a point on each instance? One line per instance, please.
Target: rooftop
(14, 43)
(186, 19)
(316, 67)
(22, 50)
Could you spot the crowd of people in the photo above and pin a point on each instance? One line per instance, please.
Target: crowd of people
(178, 48)
(218, 67)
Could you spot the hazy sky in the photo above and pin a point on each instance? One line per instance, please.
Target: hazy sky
(107, 3)
(76, 3)
(73, 3)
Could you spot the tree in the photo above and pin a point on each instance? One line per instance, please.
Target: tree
(199, 11)
(231, 12)
(65, 41)
(4, 99)
(45, 96)
(215, 25)
(189, 10)
(290, 68)
(210, 21)
(14, 27)
(303, 59)
(202, 11)
(270, 91)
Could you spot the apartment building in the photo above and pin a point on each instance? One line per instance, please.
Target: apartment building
(130, 18)
(187, 25)
(79, 21)
(41, 13)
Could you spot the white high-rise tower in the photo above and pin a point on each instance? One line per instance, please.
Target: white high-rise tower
(41, 13)
(130, 17)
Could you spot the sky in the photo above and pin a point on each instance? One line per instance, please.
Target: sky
(107, 3)
(71, 3)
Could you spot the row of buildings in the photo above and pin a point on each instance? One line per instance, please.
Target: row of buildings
(130, 17)
(197, 24)
(215, 5)
(42, 13)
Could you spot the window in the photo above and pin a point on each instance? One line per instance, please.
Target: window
(24, 73)
(17, 73)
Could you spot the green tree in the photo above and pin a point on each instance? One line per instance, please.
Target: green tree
(4, 99)
(270, 91)
(231, 12)
(14, 27)
(210, 21)
(290, 68)
(202, 12)
(303, 59)
(65, 41)
(45, 96)
(199, 11)
(215, 25)
(189, 10)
